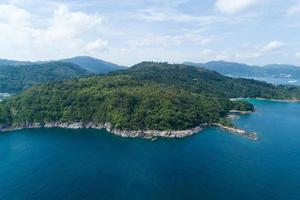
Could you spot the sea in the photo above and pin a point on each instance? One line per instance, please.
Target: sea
(212, 164)
(277, 81)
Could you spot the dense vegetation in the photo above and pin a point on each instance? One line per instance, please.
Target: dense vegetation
(206, 82)
(121, 100)
(242, 106)
(15, 78)
(148, 96)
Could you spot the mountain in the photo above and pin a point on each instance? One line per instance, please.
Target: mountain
(15, 78)
(93, 64)
(148, 96)
(14, 62)
(207, 82)
(282, 71)
(243, 70)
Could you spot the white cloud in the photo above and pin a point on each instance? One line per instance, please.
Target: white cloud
(233, 6)
(10, 14)
(272, 46)
(133, 31)
(294, 9)
(74, 22)
(238, 56)
(242, 54)
(268, 48)
(97, 46)
(298, 54)
(163, 15)
(167, 41)
(66, 33)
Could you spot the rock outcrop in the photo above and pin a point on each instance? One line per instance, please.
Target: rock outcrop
(107, 126)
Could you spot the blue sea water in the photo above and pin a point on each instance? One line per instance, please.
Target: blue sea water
(92, 164)
(277, 81)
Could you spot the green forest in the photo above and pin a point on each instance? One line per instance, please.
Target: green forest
(16, 78)
(148, 96)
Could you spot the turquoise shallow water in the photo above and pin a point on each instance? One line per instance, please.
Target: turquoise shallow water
(92, 164)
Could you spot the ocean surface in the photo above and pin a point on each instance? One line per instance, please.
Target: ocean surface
(277, 81)
(92, 164)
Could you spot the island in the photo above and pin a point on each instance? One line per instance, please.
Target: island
(148, 100)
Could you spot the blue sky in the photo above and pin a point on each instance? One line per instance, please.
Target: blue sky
(130, 31)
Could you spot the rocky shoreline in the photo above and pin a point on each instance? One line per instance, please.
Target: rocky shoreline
(149, 134)
(241, 112)
(237, 131)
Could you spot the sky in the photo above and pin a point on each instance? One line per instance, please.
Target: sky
(127, 32)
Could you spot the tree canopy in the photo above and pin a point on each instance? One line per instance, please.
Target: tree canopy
(148, 96)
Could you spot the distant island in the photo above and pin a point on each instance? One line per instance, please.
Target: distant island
(147, 100)
(282, 71)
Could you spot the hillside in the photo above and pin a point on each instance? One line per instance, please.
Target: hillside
(243, 70)
(206, 82)
(93, 64)
(15, 78)
(120, 100)
(149, 96)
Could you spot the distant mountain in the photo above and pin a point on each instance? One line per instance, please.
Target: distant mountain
(14, 62)
(93, 64)
(243, 70)
(15, 78)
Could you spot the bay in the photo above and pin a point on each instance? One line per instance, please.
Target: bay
(93, 164)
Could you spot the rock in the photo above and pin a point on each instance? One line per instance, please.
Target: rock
(148, 134)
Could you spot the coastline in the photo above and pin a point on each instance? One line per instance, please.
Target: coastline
(237, 131)
(148, 134)
(240, 112)
(280, 101)
(273, 100)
